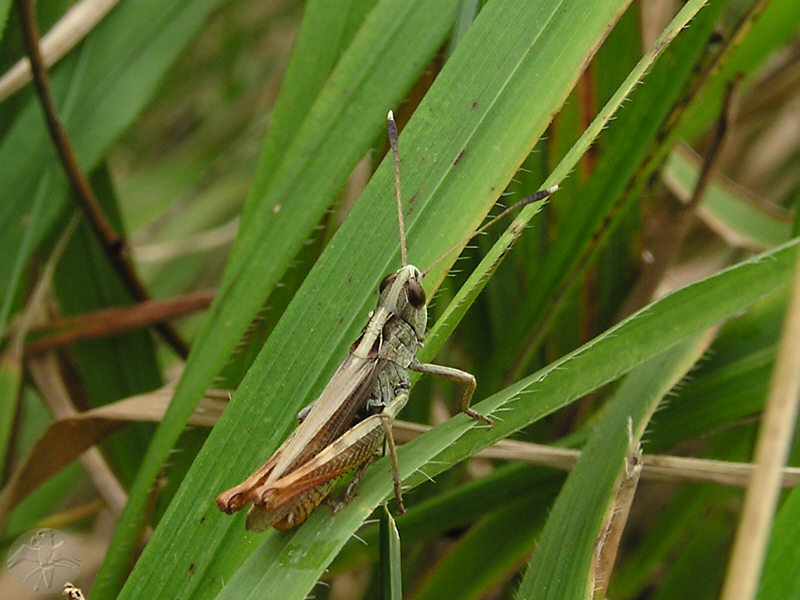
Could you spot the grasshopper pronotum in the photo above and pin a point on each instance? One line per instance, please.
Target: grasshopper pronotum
(343, 429)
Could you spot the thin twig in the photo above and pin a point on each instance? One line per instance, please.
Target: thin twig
(114, 245)
(656, 467)
(109, 321)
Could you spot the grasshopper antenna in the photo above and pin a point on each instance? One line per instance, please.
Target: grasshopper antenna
(540, 195)
(391, 127)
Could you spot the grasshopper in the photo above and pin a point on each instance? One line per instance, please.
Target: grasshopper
(344, 428)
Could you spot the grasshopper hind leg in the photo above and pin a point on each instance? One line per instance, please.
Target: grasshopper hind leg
(386, 417)
(262, 516)
(287, 502)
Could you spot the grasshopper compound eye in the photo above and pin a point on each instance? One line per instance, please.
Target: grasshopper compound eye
(415, 294)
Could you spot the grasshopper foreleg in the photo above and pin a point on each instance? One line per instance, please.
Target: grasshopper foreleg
(468, 379)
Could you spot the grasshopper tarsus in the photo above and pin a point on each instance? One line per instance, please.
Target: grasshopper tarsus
(350, 491)
(478, 416)
(230, 504)
(337, 504)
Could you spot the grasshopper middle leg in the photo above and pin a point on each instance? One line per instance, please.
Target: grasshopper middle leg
(468, 379)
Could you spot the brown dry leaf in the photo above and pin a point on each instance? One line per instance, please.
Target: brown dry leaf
(67, 438)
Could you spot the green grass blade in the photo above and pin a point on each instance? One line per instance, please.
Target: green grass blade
(487, 553)
(562, 566)
(780, 575)
(508, 485)
(325, 33)
(776, 26)
(5, 7)
(291, 563)
(730, 385)
(478, 279)
(331, 140)
(728, 210)
(15, 268)
(391, 568)
(474, 128)
(118, 366)
(10, 381)
(668, 532)
(575, 240)
(34, 417)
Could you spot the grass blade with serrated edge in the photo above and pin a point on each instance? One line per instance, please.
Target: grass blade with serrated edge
(291, 563)
(479, 277)
(285, 212)
(575, 240)
(528, 75)
(582, 508)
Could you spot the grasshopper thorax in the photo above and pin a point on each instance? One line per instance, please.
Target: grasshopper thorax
(402, 294)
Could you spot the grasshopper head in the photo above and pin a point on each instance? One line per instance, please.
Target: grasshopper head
(402, 294)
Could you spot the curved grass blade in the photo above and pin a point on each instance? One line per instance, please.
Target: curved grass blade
(292, 562)
(564, 563)
(480, 103)
(478, 279)
(310, 174)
